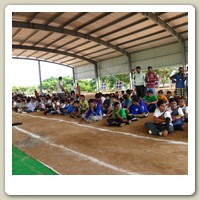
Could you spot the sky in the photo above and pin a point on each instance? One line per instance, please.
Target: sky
(26, 73)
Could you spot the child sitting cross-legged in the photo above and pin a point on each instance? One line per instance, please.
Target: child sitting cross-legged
(77, 112)
(94, 112)
(118, 116)
(67, 108)
(162, 121)
(150, 101)
(176, 114)
(183, 106)
(135, 110)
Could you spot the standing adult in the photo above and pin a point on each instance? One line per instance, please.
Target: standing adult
(179, 78)
(151, 78)
(60, 89)
(139, 79)
(73, 91)
(78, 89)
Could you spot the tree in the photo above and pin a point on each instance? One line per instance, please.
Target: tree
(164, 74)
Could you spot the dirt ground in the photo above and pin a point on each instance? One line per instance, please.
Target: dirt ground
(71, 148)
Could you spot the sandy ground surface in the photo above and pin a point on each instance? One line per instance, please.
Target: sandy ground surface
(72, 148)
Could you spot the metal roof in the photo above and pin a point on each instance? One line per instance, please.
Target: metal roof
(76, 39)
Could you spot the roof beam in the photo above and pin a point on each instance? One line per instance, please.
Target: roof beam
(124, 27)
(163, 24)
(44, 27)
(58, 39)
(21, 53)
(73, 19)
(149, 42)
(84, 43)
(142, 37)
(112, 23)
(29, 37)
(53, 51)
(67, 43)
(180, 25)
(134, 32)
(97, 45)
(92, 20)
(59, 58)
(41, 61)
(54, 17)
(16, 34)
(177, 17)
(160, 13)
(43, 38)
(34, 16)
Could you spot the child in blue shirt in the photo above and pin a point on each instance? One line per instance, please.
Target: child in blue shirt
(67, 108)
(126, 101)
(94, 112)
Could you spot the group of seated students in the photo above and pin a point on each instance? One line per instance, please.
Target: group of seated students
(120, 109)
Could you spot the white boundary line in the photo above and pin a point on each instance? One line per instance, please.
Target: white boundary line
(48, 167)
(111, 131)
(81, 155)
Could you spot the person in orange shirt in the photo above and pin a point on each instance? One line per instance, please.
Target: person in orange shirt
(161, 96)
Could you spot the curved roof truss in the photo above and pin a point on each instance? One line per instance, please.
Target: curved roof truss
(53, 51)
(93, 37)
(45, 27)
(163, 24)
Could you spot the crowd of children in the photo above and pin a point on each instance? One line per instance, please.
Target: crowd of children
(119, 108)
(170, 112)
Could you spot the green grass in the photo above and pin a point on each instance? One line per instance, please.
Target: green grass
(22, 164)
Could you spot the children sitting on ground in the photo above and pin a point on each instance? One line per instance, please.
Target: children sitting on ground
(135, 110)
(111, 108)
(106, 104)
(30, 106)
(183, 106)
(176, 114)
(126, 101)
(22, 106)
(169, 95)
(55, 109)
(94, 112)
(161, 96)
(144, 107)
(118, 116)
(162, 121)
(77, 110)
(98, 99)
(67, 108)
(84, 103)
(150, 101)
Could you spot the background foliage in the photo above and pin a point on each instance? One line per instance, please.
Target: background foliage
(49, 85)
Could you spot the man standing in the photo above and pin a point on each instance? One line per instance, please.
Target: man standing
(139, 79)
(151, 79)
(60, 89)
(179, 78)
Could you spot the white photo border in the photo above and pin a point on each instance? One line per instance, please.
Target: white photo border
(99, 184)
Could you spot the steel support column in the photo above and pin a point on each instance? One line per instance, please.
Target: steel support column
(96, 76)
(183, 58)
(130, 68)
(40, 77)
(74, 78)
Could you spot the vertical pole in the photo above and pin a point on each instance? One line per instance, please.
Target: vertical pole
(74, 78)
(40, 77)
(129, 67)
(96, 76)
(182, 44)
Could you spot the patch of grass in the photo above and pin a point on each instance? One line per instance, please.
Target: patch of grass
(22, 164)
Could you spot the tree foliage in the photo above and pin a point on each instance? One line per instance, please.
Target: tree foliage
(49, 85)
(164, 74)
